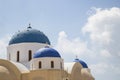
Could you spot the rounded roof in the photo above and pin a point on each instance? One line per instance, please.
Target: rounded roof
(29, 35)
(84, 65)
(46, 52)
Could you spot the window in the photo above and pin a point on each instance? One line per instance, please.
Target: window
(67, 78)
(40, 64)
(29, 55)
(9, 56)
(18, 55)
(52, 64)
(61, 65)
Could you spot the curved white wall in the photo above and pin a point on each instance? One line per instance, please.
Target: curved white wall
(46, 63)
(23, 49)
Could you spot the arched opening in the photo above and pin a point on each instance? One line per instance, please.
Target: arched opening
(18, 56)
(40, 64)
(29, 55)
(52, 64)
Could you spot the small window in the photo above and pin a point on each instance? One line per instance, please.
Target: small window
(67, 78)
(18, 55)
(40, 64)
(29, 55)
(52, 64)
(9, 56)
(61, 65)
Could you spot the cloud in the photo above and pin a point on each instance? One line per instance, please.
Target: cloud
(99, 68)
(102, 25)
(102, 45)
(3, 45)
(103, 29)
(73, 47)
(104, 70)
(105, 53)
(70, 46)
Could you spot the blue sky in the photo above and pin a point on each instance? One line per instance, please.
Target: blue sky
(46, 15)
(88, 27)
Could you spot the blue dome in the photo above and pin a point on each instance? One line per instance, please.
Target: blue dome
(84, 65)
(46, 52)
(29, 35)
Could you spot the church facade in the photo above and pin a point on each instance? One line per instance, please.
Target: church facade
(30, 56)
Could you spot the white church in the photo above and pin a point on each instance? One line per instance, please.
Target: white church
(30, 56)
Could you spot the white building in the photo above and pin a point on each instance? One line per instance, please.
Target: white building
(31, 57)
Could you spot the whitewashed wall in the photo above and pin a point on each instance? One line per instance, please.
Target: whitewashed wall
(46, 63)
(23, 49)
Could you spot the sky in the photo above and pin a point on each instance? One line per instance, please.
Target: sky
(86, 28)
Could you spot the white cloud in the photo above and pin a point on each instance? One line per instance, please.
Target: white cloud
(102, 24)
(103, 30)
(105, 53)
(99, 68)
(3, 46)
(74, 46)
(104, 68)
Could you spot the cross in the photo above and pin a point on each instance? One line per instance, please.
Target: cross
(76, 57)
(29, 26)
